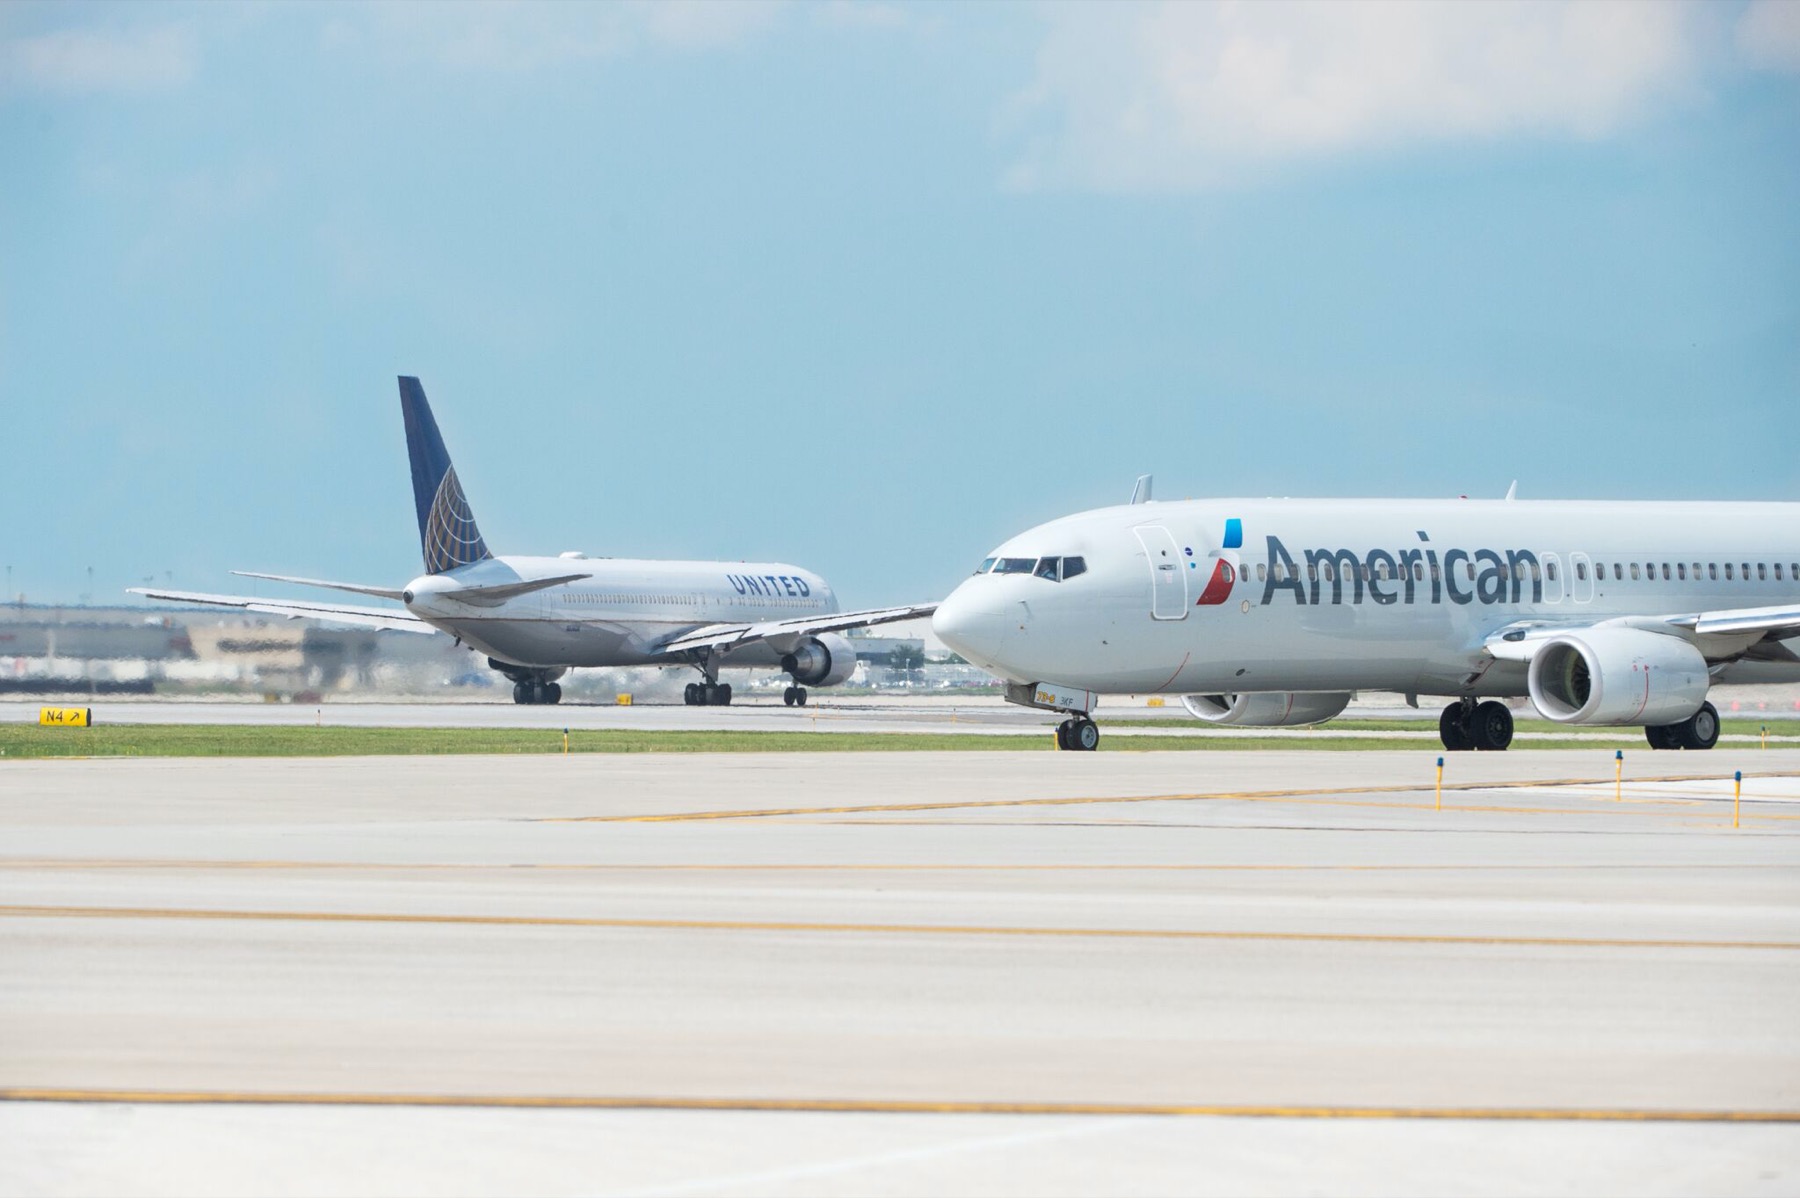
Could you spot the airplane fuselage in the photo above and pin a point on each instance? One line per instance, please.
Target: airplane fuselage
(619, 612)
(1330, 595)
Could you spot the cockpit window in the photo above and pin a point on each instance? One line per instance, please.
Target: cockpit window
(1015, 565)
(987, 563)
(1049, 567)
(1073, 566)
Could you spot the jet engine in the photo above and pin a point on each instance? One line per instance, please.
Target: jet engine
(1270, 709)
(823, 660)
(1617, 676)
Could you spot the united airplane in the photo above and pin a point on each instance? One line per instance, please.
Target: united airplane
(538, 617)
(1272, 612)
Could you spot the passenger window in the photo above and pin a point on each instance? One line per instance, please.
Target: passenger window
(1581, 571)
(1550, 571)
(1634, 571)
(1536, 574)
(1712, 571)
(1728, 574)
(1777, 571)
(1364, 571)
(1665, 571)
(1261, 573)
(1049, 567)
(1746, 571)
(986, 565)
(1681, 571)
(1618, 572)
(1762, 572)
(1073, 566)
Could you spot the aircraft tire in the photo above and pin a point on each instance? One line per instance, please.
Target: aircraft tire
(722, 694)
(1453, 732)
(1492, 728)
(1084, 735)
(1661, 736)
(690, 694)
(787, 697)
(521, 693)
(552, 692)
(799, 696)
(1700, 730)
(1062, 735)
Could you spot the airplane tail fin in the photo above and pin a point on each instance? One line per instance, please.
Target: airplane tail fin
(447, 531)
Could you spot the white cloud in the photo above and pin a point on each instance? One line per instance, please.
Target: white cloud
(1768, 34)
(1179, 95)
(100, 60)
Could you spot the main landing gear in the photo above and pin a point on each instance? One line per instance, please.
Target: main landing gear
(1079, 734)
(530, 687)
(794, 696)
(536, 691)
(1467, 724)
(1698, 731)
(710, 693)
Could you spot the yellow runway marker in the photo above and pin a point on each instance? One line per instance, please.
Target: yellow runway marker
(880, 1106)
(16, 911)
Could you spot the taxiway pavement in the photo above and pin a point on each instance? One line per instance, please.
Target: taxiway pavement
(849, 972)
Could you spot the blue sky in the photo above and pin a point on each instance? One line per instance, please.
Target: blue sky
(869, 288)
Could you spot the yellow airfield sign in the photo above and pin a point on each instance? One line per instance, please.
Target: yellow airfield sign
(66, 717)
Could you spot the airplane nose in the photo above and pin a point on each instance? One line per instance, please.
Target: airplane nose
(972, 624)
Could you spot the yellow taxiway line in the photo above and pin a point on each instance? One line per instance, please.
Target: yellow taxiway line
(18, 911)
(887, 1106)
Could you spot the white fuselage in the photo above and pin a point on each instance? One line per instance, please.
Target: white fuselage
(1338, 595)
(619, 612)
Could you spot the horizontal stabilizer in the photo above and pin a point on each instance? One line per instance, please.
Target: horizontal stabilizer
(493, 596)
(335, 613)
(354, 587)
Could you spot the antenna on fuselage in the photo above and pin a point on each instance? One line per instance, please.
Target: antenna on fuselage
(1512, 492)
(1141, 492)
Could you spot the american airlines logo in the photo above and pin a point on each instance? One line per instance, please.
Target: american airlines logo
(769, 584)
(1408, 576)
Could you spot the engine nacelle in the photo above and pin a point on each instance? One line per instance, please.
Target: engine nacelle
(1617, 676)
(823, 660)
(1269, 709)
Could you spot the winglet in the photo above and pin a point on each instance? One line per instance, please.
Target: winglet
(447, 531)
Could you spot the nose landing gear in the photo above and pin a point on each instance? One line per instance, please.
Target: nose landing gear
(1079, 734)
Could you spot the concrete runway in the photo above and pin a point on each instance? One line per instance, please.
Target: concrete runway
(887, 973)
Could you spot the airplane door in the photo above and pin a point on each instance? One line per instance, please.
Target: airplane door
(1168, 583)
(1581, 587)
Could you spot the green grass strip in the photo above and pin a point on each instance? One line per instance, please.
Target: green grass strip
(25, 742)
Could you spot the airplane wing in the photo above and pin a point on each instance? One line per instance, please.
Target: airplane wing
(336, 613)
(1734, 629)
(727, 636)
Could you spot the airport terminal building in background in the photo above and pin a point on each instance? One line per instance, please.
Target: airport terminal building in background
(183, 651)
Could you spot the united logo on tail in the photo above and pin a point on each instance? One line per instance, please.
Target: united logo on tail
(447, 531)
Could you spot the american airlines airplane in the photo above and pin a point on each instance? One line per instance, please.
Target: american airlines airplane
(1270, 612)
(538, 617)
